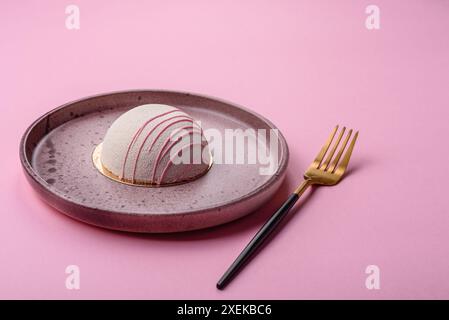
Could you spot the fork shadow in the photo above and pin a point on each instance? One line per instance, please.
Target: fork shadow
(249, 222)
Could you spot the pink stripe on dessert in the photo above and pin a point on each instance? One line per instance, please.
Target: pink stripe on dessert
(181, 119)
(136, 135)
(163, 152)
(170, 162)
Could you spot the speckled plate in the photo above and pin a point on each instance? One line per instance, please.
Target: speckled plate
(56, 154)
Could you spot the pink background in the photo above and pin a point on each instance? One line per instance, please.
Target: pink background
(304, 65)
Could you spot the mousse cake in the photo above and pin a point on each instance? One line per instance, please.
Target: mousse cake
(155, 144)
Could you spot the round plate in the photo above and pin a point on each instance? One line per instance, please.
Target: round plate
(56, 154)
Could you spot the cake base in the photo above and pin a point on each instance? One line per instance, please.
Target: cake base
(96, 159)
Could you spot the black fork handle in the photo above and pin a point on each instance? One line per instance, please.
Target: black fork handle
(257, 240)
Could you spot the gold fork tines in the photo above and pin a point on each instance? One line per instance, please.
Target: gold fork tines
(337, 158)
(331, 154)
(331, 170)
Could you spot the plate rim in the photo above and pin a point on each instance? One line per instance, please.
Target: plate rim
(279, 174)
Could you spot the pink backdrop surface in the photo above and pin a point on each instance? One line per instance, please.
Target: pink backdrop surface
(305, 65)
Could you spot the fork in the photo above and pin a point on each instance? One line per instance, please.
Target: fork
(325, 170)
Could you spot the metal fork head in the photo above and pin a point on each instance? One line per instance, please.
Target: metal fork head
(328, 169)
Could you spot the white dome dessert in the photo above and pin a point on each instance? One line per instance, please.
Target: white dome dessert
(155, 144)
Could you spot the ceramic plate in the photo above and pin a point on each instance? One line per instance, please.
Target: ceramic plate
(56, 154)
